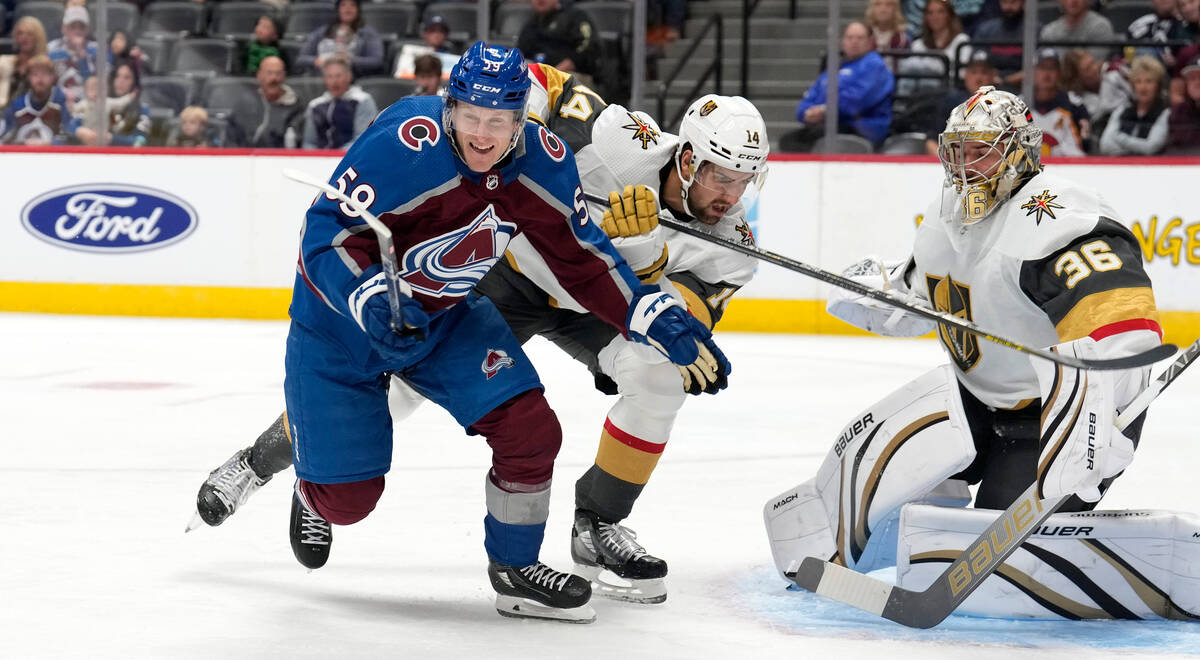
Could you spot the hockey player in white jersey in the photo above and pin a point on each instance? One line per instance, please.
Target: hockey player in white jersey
(1047, 262)
(700, 177)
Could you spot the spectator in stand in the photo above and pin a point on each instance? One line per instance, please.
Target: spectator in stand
(436, 35)
(337, 117)
(979, 72)
(1184, 124)
(346, 35)
(427, 74)
(1140, 128)
(564, 38)
(1008, 26)
(865, 87)
(1186, 29)
(664, 23)
(889, 30)
(73, 54)
(40, 116)
(1065, 124)
(129, 117)
(941, 32)
(970, 12)
(1155, 26)
(120, 50)
(264, 43)
(1080, 24)
(275, 119)
(193, 130)
(1100, 87)
(29, 41)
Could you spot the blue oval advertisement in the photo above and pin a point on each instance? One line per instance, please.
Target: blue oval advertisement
(109, 217)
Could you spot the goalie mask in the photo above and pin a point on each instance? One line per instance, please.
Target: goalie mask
(989, 147)
(728, 141)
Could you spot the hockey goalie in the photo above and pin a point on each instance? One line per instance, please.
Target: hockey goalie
(1047, 262)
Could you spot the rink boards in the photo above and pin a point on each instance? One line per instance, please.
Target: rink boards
(215, 233)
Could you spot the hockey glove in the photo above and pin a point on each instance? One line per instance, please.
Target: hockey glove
(631, 221)
(657, 319)
(873, 315)
(1080, 445)
(377, 323)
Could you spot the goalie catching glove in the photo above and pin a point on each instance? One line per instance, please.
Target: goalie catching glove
(874, 315)
(1081, 447)
(657, 319)
(631, 221)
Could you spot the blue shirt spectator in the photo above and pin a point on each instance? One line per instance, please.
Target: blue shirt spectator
(865, 87)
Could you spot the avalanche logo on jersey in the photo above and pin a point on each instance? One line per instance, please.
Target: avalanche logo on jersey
(642, 131)
(494, 361)
(954, 298)
(1039, 204)
(451, 264)
(416, 132)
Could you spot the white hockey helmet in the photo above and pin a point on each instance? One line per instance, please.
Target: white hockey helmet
(989, 146)
(727, 131)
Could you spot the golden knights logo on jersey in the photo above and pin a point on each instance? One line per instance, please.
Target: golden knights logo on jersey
(642, 131)
(954, 298)
(1041, 204)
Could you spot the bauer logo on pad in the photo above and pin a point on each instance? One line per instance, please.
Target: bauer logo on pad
(109, 217)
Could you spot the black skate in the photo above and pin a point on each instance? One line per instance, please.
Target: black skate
(598, 546)
(226, 488)
(540, 592)
(310, 534)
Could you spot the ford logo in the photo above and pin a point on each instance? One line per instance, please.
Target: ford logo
(109, 217)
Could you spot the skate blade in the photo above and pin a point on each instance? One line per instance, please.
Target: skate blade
(523, 608)
(607, 584)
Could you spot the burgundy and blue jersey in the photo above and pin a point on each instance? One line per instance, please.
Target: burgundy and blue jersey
(450, 225)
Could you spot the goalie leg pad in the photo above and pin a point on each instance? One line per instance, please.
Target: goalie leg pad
(897, 451)
(1089, 565)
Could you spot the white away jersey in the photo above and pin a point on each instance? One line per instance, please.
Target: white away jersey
(1052, 264)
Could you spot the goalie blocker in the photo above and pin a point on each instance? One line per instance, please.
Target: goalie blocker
(1086, 565)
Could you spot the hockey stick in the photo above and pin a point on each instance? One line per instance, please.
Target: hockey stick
(1151, 356)
(925, 609)
(396, 286)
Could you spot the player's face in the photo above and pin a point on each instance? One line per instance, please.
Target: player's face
(482, 134)
(979, 161)
(714, 190)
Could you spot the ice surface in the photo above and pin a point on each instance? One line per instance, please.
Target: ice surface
(109, 426)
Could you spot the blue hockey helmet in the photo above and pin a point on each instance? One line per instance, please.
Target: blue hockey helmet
(490, 77)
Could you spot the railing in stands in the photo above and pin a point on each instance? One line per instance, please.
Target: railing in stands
(714, 69)
(748, 8)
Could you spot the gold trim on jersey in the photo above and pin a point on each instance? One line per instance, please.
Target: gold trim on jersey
(652, 273)
(1104, 308)
(695, 304)
(555, 82)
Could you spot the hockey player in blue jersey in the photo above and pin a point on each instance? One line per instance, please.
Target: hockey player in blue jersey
(455, 180)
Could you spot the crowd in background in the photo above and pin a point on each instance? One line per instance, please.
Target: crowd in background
(276, 79)
(1099, 90)
(316, 82)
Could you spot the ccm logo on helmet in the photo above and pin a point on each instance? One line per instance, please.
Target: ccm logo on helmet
(486, 88)
(415, 133)
(554, 146)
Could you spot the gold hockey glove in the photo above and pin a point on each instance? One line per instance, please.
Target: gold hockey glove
(632, 212)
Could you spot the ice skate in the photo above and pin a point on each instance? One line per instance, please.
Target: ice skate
(540, 592)
(226, 488)
(604, 551)
(310, 534)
